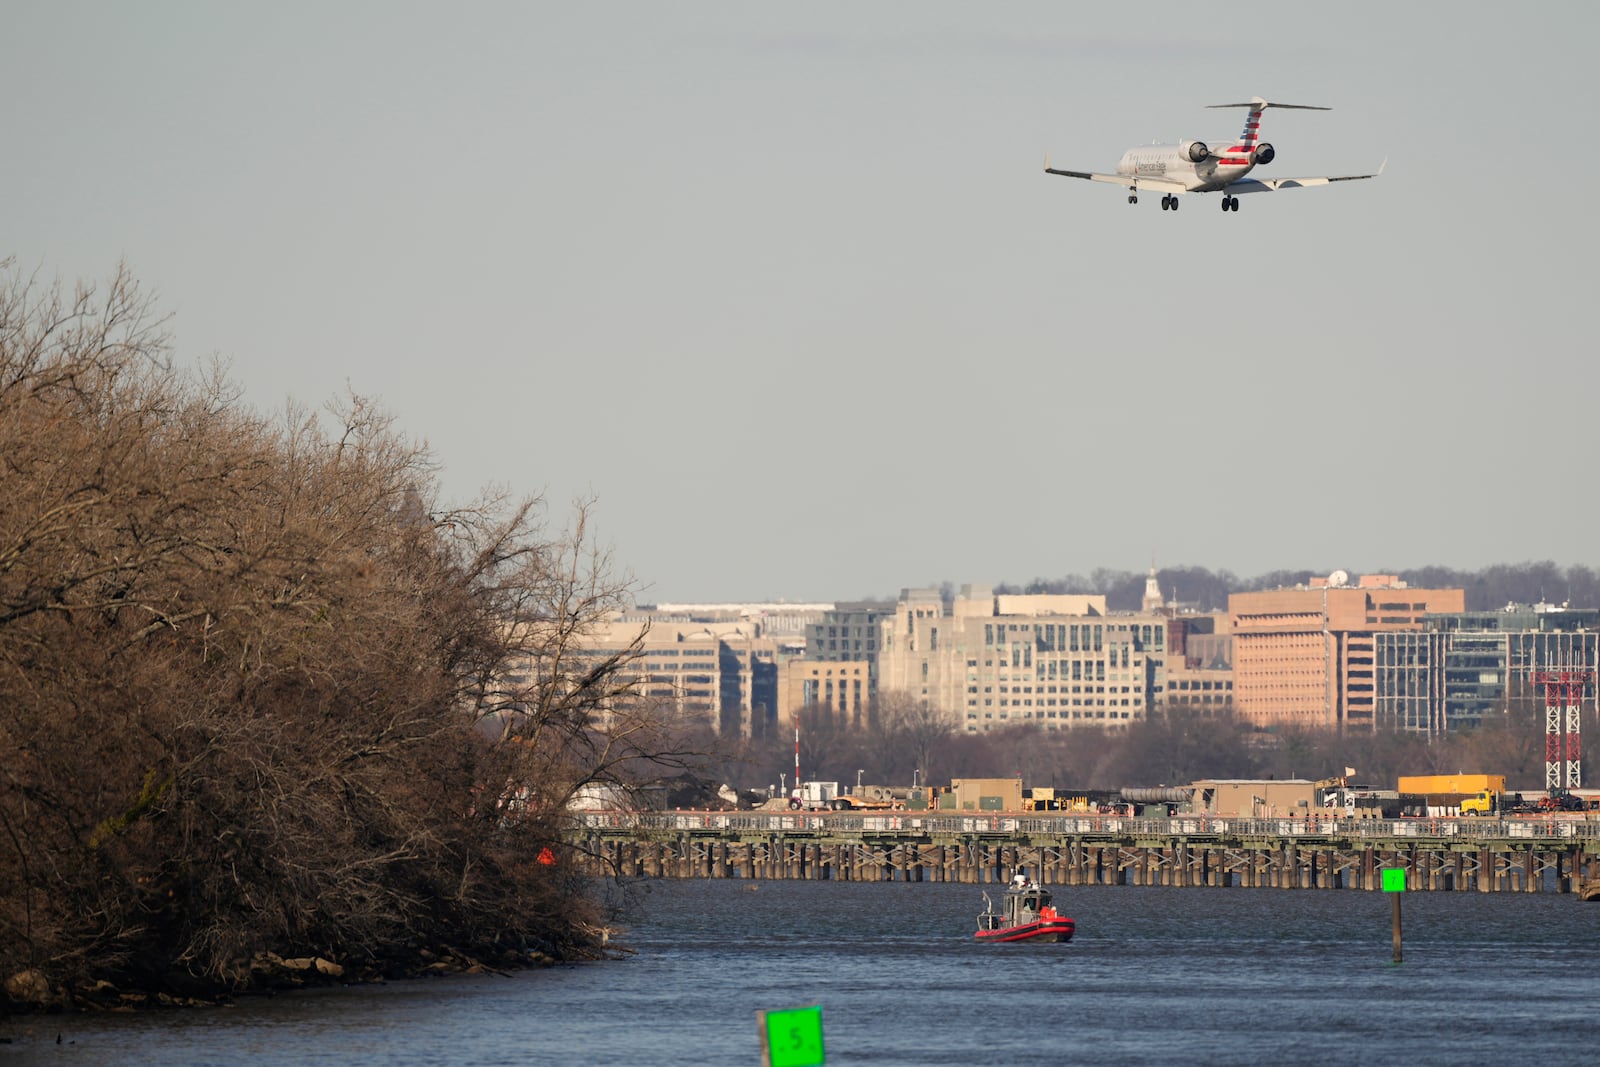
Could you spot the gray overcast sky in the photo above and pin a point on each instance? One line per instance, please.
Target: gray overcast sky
(784, 289)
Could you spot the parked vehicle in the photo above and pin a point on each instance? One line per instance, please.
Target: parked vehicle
(1490, 802)
(1364, 802)
(1561, 800)
(1457, 794)
(813, 796)
(870, 798)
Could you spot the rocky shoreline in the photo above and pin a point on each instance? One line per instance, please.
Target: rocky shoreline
(30, 992)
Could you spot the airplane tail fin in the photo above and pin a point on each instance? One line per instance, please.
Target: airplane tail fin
(1251, 134)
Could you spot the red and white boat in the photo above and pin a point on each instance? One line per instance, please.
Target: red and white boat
(1025, 914)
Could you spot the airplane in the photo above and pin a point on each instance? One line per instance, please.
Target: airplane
(1192, 167)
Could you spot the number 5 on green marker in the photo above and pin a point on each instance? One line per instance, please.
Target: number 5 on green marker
(791, 1038)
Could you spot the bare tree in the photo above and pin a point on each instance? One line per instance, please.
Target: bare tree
(910, 730)
(248, 675)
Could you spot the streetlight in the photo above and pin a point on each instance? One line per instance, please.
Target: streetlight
(858, 780)
(782, 784)
(915, 772)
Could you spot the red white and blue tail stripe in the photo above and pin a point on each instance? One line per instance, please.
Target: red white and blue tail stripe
(1242, 152)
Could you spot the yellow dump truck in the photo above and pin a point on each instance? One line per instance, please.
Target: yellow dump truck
(1468, 794)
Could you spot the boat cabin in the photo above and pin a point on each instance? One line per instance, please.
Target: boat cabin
(1021, 904)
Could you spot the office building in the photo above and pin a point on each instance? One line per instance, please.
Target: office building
(1306, 657)
(1463, 670)
(1056, 661)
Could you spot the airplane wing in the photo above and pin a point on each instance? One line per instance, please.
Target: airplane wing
(1272, 185)
(1165, 185)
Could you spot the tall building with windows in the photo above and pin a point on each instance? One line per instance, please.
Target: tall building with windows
(1308, 656)
(679, 664)
(721, 663)
(841, 686)
(1463, 669)
(1199, 665)
(1056, 661)
(848, 631)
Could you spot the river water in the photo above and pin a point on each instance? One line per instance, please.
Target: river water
(1154, 975)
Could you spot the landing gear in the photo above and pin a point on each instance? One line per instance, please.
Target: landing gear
(1133, 198)
(1230, 203)
(1169, 203)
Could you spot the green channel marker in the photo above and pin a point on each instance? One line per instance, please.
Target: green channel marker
(791, 1038)
(1394, 881)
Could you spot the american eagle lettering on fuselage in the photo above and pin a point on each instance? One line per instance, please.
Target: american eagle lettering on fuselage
(1194, 167)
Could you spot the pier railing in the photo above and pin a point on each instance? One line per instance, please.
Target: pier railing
(1012, 825)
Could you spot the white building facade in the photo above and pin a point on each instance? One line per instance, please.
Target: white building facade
(1056, 661)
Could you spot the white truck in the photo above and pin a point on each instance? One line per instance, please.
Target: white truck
(813, 796)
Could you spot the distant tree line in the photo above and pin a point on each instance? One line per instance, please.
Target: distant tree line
(260, 700)
(1206, 590)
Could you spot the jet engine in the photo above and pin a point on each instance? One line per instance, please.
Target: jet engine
(1194, 151)
(1264, 153)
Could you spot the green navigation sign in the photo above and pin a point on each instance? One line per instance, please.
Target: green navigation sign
(791, 1038)
(1394, 881)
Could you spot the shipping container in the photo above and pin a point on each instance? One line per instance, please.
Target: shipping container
(1458, 784)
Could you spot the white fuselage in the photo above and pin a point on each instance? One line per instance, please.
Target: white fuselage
(1166, 162)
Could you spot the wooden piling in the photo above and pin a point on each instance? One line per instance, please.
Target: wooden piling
(815, 850)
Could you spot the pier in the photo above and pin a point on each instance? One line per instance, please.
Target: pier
(1536, 854)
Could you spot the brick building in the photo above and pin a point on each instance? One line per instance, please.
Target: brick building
(1307, 656)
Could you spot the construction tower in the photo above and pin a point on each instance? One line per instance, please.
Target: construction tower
(1563, 701)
